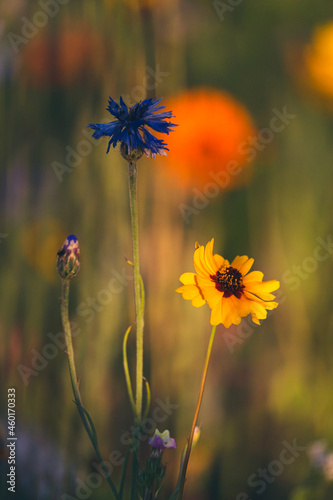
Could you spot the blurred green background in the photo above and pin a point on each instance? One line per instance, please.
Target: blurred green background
(59, 63)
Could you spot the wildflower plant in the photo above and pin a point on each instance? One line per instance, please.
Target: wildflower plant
(230, 290)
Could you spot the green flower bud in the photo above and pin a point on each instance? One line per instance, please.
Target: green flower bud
(68, 261)
(130, 154)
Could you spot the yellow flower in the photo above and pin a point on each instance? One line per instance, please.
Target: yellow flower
(228, 289)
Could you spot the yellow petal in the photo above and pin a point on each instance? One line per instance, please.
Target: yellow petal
(253, 276)
(244, 268)
(255, 319)
(188, 291)
(262, 286)
(210, 261)
(198, 301)
(216, 314)
(242, 305)
(253, 295)
(188, 279)
(220, 261)
(258, 309)
(229, 313)
(271, 305)
(192, 292)
(237, 309)
(212, 296)
(199, 261)
(239, 261)
(205, 282)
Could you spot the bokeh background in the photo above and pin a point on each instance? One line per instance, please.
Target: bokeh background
(227, 69)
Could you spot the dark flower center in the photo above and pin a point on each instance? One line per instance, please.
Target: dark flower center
(230, 281)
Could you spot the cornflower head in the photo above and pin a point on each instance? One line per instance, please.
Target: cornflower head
(228, 289)
(131, 128)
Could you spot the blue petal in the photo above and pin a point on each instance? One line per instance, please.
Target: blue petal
(152, 143)
(101, 129)
(114, 109)
(123, 106)
(159, 126)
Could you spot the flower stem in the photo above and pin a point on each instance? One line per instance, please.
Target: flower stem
(139, 311)
(196, 413)
(86, 420)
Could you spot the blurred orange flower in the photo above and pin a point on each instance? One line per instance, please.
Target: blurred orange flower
(207, 145)
(72, 55)
(318, 58)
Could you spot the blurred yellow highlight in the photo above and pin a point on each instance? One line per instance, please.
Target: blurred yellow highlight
(319, 59)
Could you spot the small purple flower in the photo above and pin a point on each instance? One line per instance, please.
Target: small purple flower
(317, 452)
(130, 127)
(162, 440)
(68, 260)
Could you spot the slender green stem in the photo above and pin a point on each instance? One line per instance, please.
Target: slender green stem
(68, 337)
(196, 413)
(139, 312)
(85, 417)
(135, 468)
(123, 474)
(126, 370)
(145, 414)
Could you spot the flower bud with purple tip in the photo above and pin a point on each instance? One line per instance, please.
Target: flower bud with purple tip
(68, 260)
(149, 479)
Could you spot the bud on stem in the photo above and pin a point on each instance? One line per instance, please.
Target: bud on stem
(68, 260)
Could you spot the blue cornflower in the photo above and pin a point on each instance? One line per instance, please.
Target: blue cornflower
(130, 127)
